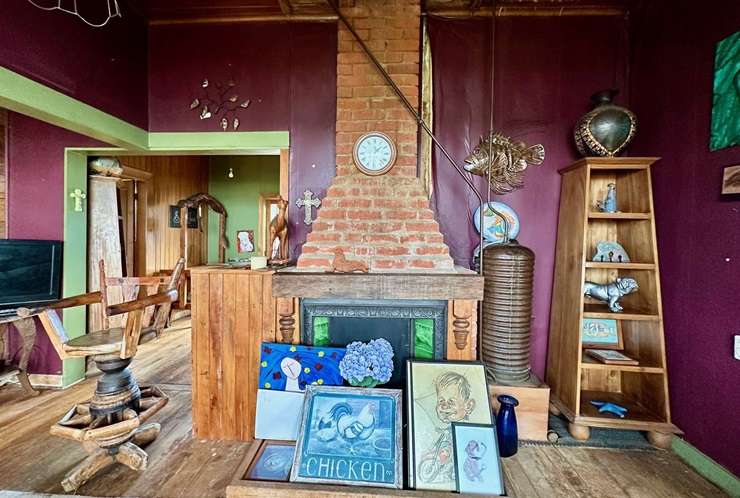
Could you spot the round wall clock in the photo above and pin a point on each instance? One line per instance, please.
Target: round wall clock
(374, 153)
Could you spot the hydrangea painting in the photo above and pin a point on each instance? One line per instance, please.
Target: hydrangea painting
(367, 365)
(292, 367)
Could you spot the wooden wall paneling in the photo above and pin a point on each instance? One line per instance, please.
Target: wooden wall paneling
(256, 317)
(216, 355)
(228, 351)
(200, 354)
(233, 313)
(242, 356)
(126, 215)
(173, 178)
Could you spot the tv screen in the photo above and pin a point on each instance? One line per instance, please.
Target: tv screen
(30, 272)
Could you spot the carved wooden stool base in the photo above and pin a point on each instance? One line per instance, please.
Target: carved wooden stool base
(111, 438)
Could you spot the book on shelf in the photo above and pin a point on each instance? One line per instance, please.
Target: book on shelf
(611, 357)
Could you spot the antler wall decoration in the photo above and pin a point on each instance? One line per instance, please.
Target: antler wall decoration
(224, 106)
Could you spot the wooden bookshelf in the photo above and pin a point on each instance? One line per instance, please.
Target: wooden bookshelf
(575, 378)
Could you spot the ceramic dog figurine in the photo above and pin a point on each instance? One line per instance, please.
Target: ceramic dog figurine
(611, 293)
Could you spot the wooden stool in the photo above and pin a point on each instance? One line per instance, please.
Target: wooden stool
(109, 426)
(115, 436)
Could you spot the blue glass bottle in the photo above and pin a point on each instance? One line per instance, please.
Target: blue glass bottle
(506, 430)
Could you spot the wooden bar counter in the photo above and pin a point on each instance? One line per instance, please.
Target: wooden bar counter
(233, 312)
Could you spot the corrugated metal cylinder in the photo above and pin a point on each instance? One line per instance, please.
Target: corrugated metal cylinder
(507, 312)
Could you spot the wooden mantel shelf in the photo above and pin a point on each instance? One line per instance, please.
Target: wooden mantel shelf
(462, 284)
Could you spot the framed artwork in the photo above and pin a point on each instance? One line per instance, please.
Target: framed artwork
(440, 393)
(273, 462)
(731, 180)
(292, 367)
(477, 459)
(350, 436)
(602, 333)
(611, 357)
(245, 241)
(176, 222)
(725, 130)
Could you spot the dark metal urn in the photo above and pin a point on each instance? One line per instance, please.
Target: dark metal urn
(606, 129)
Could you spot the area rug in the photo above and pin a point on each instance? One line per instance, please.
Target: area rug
(600, 438)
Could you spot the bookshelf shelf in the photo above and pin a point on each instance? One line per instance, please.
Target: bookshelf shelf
(575, 378)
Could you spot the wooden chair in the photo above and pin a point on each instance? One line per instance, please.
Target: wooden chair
(134, 287)
(109, 426)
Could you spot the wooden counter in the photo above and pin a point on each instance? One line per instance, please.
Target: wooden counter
(233, 312)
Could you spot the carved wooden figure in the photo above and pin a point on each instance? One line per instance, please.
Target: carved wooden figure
(279, 230)
(343, 265)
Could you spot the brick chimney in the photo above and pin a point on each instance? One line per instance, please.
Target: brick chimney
(383, 220)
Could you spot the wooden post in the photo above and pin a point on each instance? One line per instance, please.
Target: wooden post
(287, 320)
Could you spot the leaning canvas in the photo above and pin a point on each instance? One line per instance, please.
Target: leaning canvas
(438, 394)
(477, 459)
(350, 436)
(292, 367)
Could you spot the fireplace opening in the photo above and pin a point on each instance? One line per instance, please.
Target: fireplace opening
(415, 328)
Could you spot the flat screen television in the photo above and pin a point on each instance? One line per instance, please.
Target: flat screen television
(30, 272)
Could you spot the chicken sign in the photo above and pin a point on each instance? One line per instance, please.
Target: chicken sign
(350, 436)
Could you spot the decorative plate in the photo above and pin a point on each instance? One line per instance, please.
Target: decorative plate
(493, 225)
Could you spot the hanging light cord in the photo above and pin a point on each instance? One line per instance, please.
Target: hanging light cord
(113, 11)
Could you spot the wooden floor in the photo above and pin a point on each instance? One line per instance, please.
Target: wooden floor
(34, 462)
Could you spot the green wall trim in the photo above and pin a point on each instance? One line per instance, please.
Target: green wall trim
(219, 141)
(28, 97)
(74, 264)
(25, 96)
(708, 468)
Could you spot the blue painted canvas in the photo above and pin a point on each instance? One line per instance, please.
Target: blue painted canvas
(350, 436)
(477, 459)
(292, 367)
(274, 463)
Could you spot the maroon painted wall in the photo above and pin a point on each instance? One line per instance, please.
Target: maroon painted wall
(288, 70)
(35, 152)
(698, 228)
(104, 67)
(545, 71)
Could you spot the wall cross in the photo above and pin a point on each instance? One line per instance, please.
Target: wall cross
(78, 195)
(306, 202)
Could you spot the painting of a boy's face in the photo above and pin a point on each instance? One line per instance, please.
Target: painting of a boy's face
(452, 404)
(442, 393)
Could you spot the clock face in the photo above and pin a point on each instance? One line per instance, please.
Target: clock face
(374, 153)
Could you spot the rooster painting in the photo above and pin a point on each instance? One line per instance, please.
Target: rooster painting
(342, 422)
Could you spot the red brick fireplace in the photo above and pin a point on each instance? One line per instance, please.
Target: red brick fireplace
(383, 220)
